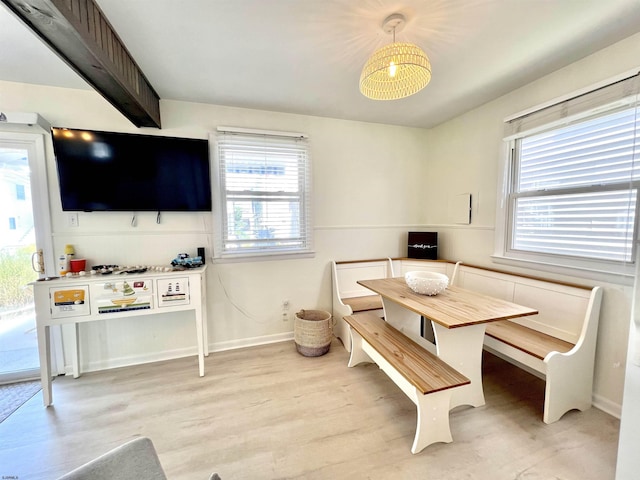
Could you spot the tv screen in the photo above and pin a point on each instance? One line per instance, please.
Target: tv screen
(106, 171)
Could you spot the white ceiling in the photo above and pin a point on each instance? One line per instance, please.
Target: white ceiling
(305, 56)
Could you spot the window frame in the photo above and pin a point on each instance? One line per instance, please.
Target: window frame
(220, 195)
(508, 194)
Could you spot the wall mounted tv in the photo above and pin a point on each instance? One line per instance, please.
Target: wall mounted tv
(106, 171)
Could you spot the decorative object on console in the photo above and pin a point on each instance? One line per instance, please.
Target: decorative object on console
(396, 70)
(201, 254)
(423, 245)
(78, 265)
(127, 290)
(184, 260)
(104, 268)
(119, 270)
(64, 261)
(426, 283)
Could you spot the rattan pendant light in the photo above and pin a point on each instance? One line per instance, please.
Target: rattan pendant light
(396, 70)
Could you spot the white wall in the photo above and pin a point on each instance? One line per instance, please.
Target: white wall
(366, 177)
(465, 155)
(372, 183)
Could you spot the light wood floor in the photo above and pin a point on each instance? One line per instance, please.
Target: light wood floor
(267, 413)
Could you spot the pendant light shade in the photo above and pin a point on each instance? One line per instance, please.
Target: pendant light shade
(396, 70)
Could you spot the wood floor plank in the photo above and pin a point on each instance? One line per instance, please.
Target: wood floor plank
(267, 412)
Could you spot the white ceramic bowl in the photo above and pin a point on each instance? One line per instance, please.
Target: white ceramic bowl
(426, 283)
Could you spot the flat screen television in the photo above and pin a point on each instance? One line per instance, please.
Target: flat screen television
(107, 171)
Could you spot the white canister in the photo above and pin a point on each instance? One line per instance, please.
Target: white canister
(63, 264)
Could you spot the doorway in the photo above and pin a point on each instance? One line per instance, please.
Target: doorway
(23, 230)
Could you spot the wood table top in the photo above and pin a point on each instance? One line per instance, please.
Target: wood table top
(453, 308)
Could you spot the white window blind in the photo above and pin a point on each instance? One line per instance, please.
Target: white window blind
(620, 93)
(574, 187)
(263, 188)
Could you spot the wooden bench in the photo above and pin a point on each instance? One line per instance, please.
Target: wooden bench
(558, 345)
(423, 377)
(350, 298)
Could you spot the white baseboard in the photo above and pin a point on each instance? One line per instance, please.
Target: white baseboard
(607, 406)
(179, 353)
(250, 342)
(130, 360)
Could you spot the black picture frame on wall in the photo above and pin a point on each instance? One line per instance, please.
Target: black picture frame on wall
(423, 245)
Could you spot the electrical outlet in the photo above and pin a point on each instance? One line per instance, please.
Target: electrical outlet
(285, 310)
(72, 219)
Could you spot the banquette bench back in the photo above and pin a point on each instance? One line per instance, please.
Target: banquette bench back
(404, 265)
(347, 274)
(349, 297)
(562, 307)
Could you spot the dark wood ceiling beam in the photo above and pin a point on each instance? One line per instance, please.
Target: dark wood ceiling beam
(79, 33)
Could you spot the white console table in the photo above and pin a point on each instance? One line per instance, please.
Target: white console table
(89, 298)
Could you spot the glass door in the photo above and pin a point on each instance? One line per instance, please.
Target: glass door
(20, 230)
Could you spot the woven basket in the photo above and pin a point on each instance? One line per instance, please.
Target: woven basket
(312, 331)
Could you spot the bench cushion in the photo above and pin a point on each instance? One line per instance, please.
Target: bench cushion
(363, 304)
(421, 368)
(526, 339)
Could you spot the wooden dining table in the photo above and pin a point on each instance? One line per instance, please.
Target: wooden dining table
(458, 317)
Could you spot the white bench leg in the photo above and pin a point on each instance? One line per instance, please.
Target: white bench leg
(341, 330)
(432, 425)
(358, 355)
(433, 420)
(569, 385)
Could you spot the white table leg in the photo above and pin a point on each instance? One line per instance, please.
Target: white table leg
(407, 322)
(459, 347)
(462, 349)
(44, 352)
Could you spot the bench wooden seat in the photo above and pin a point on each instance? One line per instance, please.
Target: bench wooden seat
(527, 339)
(364, 304)
(422, 376)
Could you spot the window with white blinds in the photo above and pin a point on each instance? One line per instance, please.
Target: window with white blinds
(574, 186)
(263, 186)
